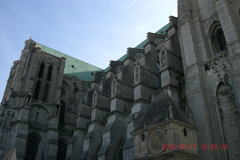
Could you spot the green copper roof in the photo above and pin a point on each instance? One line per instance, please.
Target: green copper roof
(120, 59)
(73, 66)
(83, 70)
(161, 31)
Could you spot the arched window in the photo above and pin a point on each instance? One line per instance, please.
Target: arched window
(62, 150)
(143, 137)
(217, 37)
(37, 89)
(49, 75)
(41, 69)
(184, 132)
(46, 90)
(221, 39)
(39, 82)
(32, 146)
(61, 116)
(43, 83)
(182, 95)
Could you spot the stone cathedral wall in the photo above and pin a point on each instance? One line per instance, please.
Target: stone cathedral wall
(179, 86)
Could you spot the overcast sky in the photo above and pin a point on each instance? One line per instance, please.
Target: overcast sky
(95, 31)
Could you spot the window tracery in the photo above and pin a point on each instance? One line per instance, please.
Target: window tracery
(41, 70)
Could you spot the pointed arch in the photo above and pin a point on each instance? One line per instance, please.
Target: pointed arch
(49, 75)
(217, 37)
(143, 137)
(32, 146)
(184, 132)
(221, 39)
(41, 70)
(37, 90)
(45, 95)
(182, 95)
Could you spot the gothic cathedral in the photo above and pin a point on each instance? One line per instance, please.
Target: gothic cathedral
(175, 96)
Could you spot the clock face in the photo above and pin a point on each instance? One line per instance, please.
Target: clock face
(63, 92)
(155, 141)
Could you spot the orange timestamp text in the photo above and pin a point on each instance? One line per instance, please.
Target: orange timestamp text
(194, 147)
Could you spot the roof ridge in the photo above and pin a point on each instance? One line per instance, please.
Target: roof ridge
(140, 45)
(64, 54)
(73, 66)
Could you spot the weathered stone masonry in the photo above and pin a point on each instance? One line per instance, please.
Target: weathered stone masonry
(179, 86)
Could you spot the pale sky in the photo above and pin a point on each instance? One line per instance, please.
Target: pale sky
(94, 31)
